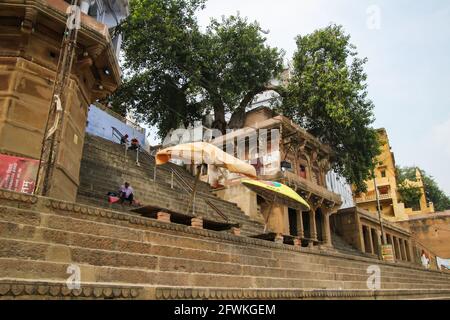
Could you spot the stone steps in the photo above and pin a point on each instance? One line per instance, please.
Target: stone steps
(103, 171)
(110, 151)
(61, 222)
(40, 238)
(52, 234)
(13, 267)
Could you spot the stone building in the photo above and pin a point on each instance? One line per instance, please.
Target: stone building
(284, 152)
(385, 174)
(361, 229)
(31, 33)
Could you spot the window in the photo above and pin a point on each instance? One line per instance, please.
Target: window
(302, 172)
(383, 173)
(384, 190)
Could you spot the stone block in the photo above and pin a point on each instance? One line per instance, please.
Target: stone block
(236, 231)
(163, 217)
(197, 223)
(279, 238)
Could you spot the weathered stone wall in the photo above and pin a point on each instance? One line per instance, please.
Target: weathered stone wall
(433, 232)
(124, 256)
(30, 42)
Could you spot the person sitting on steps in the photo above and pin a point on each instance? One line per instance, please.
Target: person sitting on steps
(126, 193)
(124, 140)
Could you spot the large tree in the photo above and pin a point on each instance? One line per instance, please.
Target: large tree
(433, 192)
(175, 72)
(327, 95)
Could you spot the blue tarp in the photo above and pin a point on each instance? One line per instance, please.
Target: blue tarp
(100, 123)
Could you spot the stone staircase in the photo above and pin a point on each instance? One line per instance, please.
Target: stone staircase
(104, 167)
(124, 256)
(340, 245)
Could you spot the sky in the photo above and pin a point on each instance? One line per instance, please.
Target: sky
(407, 44)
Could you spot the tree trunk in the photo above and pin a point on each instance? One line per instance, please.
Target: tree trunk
(219, 118)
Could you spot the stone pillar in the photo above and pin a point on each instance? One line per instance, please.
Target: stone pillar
(409, 251)
(312, 224)
(235, 231)
(360, 243)
(403, 249)
(279, 238)
(326, 231)
(369, 233)
(163, 217)
(300, 229)
(398, 251)
(276, 219)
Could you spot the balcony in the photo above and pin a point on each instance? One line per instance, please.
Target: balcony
(383, 182)
(371, 198)
(309, 186)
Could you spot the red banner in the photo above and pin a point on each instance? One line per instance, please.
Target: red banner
(18, 174)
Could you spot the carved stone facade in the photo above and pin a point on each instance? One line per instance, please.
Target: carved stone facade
(282, 151)
(391, 205)
(362, 230)
(30, 41)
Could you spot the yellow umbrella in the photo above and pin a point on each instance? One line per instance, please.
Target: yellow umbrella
(275, 192)
(205, 153)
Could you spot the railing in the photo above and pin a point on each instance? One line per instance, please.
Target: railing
(311, 186)
(373, 198)
(217, 210)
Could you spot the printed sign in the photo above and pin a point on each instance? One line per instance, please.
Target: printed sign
(18, 174)
(387, 251)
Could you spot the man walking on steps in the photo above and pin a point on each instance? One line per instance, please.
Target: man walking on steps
(126, 193)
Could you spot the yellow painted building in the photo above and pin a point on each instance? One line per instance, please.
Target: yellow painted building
(386, 180)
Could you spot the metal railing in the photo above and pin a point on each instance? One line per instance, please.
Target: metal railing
(174, 173)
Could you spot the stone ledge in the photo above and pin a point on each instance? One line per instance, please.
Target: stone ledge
(22, 288)
(278, 294)
(20, 197)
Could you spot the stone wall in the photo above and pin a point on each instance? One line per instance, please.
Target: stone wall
(433, 231)
(123, 256)
(30, 42)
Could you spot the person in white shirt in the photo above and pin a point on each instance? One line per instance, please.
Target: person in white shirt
(126, 193)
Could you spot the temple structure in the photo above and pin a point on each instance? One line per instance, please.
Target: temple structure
(391, 206)
(31, 33)
(284, 152)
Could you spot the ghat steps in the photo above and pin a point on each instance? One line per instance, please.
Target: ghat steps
(104, 167)
(124, 256)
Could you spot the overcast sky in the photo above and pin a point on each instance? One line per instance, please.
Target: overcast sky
(408, 49)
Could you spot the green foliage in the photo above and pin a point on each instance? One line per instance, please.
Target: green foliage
(328, 97)
(410, 196)
(175, 72)
(433, 193)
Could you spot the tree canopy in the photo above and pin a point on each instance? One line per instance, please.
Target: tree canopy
(327, 95)
(432, 191)
(175, 72)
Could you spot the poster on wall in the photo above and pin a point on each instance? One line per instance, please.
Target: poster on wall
(18, 174)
